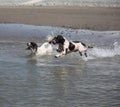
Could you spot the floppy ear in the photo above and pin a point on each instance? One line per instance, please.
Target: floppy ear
(33, 44)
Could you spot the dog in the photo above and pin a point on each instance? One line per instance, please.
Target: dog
(65, 47)
(44, 49)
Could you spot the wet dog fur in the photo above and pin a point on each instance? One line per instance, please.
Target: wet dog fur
(44, 49)
(65, 47)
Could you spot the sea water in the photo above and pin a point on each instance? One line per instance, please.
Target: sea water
(69, 81)
(90, 3)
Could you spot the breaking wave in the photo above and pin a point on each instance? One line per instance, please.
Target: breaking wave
(91, 3)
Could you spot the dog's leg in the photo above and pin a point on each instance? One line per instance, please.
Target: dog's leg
(66, 52)
(32, 51)
(62, 53)
(85, 54)
(59, 55)
(80, 53)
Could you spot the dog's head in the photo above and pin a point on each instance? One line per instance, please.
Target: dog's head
(32, 46)
(58, 40)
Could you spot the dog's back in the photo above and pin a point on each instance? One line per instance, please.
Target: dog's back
(77, 45)
(44, 49)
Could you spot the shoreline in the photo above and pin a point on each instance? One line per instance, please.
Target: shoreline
(94, 18)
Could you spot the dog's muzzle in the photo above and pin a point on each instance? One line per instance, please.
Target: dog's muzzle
(28, 46)
(53, 41)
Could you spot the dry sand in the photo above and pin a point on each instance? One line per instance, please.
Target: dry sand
(75, 17)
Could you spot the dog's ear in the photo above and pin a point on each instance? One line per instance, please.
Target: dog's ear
(60, 48)
(33, 43)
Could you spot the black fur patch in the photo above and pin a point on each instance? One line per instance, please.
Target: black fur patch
(32, 45)
(80, 42)
(83, 44)
(76, 41)
(60, 39)
(71, 46)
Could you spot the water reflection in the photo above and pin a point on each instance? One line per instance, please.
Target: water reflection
(54, 82)
(64, 86)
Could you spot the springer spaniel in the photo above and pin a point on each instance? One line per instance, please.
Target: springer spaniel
(44, 49)
(65, 47)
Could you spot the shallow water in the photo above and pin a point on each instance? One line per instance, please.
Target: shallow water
(70, 81)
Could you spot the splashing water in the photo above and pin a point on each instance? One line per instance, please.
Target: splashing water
(102, 52)
(106, 43)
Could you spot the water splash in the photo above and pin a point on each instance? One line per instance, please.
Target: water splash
(102, 52)
(106, 43)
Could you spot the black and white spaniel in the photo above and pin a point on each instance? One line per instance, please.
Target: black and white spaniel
(65, 47)
(44, 49)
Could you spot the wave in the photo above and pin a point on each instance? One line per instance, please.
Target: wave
(106, 43)
(31, 2)
(90, 3)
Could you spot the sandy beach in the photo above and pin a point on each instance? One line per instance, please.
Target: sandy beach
(75, 17)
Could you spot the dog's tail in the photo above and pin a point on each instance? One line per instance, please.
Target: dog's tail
(89, 46)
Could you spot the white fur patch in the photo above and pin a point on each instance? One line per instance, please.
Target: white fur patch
(44, 49)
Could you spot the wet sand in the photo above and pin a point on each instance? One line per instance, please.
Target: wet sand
(75, 17)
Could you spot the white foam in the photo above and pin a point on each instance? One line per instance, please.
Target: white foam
(49, 38)
(102, 52)
(32, 2)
